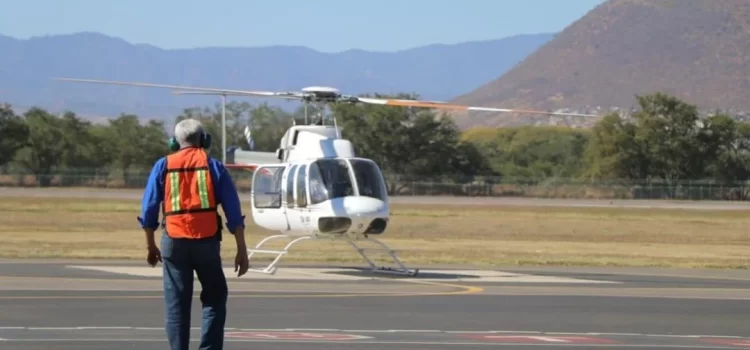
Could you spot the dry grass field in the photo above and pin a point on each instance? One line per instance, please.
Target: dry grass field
(423, 234)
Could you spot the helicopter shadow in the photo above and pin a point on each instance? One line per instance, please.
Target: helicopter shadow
(367, 272)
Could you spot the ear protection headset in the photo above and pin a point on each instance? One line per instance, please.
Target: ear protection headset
(205, 142)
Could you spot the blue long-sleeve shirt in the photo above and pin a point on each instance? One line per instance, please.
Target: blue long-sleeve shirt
(224, 190)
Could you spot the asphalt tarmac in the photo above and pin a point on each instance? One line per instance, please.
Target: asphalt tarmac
(118, 305)
(434, 200)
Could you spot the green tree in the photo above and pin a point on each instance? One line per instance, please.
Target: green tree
(669, 132)
(667, 140)
(729, 142)
(14, 134)
(136, 146)
(532, 152)
(46, 146)
(613, 151)
(412, 142)
(84, 149)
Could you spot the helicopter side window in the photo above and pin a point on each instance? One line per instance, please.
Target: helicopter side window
(318, 191)
(301, 186)
(267, 187)
(369, 179)
(290, 187)
(336, 178)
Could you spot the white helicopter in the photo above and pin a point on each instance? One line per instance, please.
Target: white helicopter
(314, 186)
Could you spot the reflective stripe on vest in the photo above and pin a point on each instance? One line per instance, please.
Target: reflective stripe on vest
(189, 205)
(175, 196)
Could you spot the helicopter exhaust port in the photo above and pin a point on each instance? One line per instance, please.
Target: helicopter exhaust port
(334, 224)
(377, 226)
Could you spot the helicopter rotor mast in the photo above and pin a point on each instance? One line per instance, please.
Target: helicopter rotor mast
(321, 96)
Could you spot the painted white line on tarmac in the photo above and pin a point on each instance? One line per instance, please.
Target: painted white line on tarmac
(375, 342)
(331, 274)
(94, 328)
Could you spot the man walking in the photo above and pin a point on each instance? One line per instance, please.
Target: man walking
(191, 185)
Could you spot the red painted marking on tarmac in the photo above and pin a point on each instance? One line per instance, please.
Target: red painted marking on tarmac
(540, 339)
(293, 336)
(727, 341)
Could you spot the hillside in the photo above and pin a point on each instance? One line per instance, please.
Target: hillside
(697, 50)
(434, 72)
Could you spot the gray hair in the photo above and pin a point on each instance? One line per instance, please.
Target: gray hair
(188, 132)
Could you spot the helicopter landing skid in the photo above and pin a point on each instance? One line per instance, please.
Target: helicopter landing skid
(401, 270)
(271, 268)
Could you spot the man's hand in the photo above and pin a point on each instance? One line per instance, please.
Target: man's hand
(154, 255)
(241, 263)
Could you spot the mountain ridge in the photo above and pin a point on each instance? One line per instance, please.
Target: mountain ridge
(692, 49)
(435, 71)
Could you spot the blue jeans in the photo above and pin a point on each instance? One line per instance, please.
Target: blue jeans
(180, 257)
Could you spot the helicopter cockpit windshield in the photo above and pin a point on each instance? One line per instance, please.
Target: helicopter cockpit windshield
(331, 178)
(369, 179)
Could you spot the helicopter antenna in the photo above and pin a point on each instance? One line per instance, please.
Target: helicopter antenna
(305, 112)
(336, 126)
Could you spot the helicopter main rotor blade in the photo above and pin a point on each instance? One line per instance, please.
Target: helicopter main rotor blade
(458, 107)
(291, 95)
(303, 95)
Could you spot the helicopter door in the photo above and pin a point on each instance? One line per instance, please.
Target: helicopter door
(268, 210)
(300, 196)
(290, 198)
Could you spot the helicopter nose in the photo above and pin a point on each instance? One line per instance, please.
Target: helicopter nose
(364, 206)
(368, 215)
(356, 214)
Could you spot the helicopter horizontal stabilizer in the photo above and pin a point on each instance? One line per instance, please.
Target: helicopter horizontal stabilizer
(254, 157)
(248, 167)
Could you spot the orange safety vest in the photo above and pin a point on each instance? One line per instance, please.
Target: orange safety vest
(189, 202)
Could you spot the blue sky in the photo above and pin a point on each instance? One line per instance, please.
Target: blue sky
(327, 25)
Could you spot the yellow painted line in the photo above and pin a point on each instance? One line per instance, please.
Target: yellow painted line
(686, 276)
(555, 290)
(641, 274)
(464, 290)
